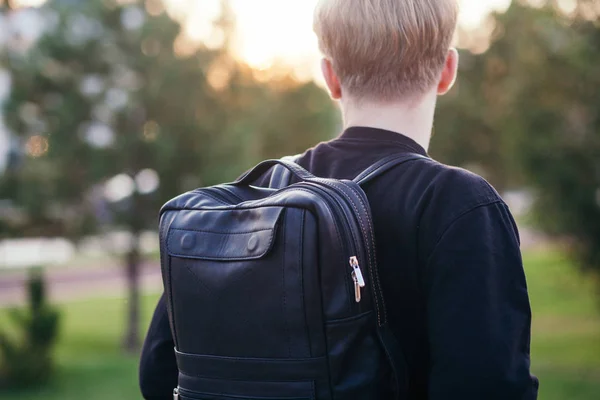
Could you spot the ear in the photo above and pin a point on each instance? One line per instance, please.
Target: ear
(333, 83)
(449, 73)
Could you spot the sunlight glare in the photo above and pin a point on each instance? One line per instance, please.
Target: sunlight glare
(473, 12)
(272, 31)
(29, 3)
(279, 32)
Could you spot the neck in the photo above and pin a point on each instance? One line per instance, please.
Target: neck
(413, 119)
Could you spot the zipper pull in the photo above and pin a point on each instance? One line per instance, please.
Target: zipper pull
(176, 394)
(357, 277)
(357, 294)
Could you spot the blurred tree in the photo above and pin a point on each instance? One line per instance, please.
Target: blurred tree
(526, 113)
(555, 115)
(116, 110)
(27, 359)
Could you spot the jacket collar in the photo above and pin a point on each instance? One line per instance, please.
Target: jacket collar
(368, 134)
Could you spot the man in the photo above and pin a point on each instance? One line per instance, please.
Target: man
(447, 245)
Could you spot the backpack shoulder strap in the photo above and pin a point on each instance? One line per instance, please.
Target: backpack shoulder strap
(393, 350)
(280, 176)
(384, 165)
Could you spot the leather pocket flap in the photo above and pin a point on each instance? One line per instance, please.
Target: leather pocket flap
(223, 235)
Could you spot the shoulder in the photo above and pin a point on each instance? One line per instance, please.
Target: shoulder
(441, 197)
(458, 187)
(433, 195)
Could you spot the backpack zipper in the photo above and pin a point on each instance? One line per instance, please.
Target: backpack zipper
(376, 281)
(357, 277)
(371, 262)
(356, 274)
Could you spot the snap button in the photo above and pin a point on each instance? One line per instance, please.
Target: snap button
(253, 243)
(188, 241)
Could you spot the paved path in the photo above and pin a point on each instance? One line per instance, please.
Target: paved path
(71, 283)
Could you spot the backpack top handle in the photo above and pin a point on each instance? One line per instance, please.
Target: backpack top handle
(281, 177)
(258, 171)
(286, 167)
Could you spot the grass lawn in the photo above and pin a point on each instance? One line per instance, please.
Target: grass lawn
(91, 364)
(565, 346)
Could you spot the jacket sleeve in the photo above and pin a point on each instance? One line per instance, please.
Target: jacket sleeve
(478, 311)
(158, 368)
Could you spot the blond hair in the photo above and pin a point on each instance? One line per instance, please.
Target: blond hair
(386, 49)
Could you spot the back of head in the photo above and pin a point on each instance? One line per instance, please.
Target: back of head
(386, 50)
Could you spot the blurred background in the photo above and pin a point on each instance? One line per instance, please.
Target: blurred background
(111, 107)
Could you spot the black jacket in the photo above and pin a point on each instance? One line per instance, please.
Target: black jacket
(451, 269)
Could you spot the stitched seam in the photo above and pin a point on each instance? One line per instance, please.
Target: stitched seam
(284, 305)
(374, 267)
(513, 224)
(239, 397)
(175, 339)
(372, 255)
(301, 279)
(394, 368)
(368, 250)
(339, 237)
(214, 198)
(326, 183)
(254, 360)
(455, 220)
(256, 204)
(220, 258)
(221, 233)
(169, 269)
(222, 190)
(217, 258)
(348, 320)
(191, 271)
(193, 375)
(210, 378)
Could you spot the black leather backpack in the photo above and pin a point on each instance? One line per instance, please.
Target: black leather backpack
(274, 293)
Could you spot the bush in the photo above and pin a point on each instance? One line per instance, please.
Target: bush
(26, 357)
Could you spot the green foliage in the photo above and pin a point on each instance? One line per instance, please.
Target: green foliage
(525, 113)
(98, 96)
(26, 356)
